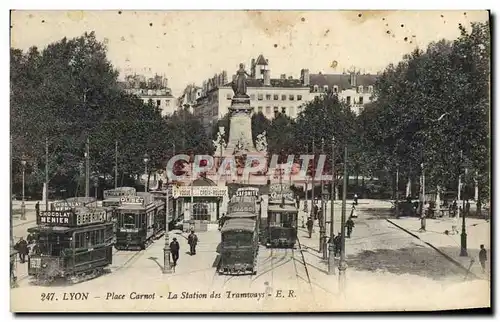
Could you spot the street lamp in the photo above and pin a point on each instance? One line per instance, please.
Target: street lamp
(146, 160)
(23, 206)
(331, 246)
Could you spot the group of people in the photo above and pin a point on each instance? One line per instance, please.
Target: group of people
(175, 247)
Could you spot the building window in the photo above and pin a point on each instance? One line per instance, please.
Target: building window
(283, 97)
(335, 89)
(291, 97)
(268, 109)
(228, 96)
(315, 88)
(276, 97)
(268, 97)
(361, 100)
(291, 111)
(259, 109)
(158, 102)
(348, 100)
(360, 89)
(283, 110)
(370, 89)
(260, 97)
(150, 101)
(252, 97)
(167, 103)
(299, 97)
(276, 109)
(325, 88)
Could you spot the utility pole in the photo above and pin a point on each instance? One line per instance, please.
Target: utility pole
(47, 174)
(167, 268)
(307, 194)
(12, 242)
(331, 246)
(322, 219)
(342, 263)
(312, 180)
(463, 235)
(116, 164)
(397, 190)
(87, 168)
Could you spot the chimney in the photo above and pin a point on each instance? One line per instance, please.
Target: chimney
(304, 77)
(252, 68)
(283, 76)
(353, 79)
(290, 77)
(267, 78)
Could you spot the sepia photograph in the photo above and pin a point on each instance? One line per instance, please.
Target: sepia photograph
(253, 161)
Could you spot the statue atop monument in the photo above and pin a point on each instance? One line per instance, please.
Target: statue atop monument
(239, 84)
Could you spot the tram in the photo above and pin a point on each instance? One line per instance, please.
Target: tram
(282, 218)
(112, 201)
(74, 243)
(140, 220)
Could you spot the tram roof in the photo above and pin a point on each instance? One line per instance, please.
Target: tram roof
(285, 208)
(238, 224)
(49, 229)
(241, 214)
(278, 201)
(243, 199)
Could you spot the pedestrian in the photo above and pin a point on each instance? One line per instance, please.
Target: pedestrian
(467, 208)
(192, 241)
(336, 243)
(316, 210)
(221, 221)
(354, 213)
(22, 248)
(37, 208)
(356, 199)
(422, 222)
(36, 249)
(310, 224)
(349, 225)
(174, 250)
(482, 257)
(454, 207)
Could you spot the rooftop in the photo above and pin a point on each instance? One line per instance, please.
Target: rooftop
(343, 81)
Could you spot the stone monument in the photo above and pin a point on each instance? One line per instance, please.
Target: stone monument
(240, 123)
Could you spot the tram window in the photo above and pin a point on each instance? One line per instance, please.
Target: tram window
(238, 239)
(129, 220)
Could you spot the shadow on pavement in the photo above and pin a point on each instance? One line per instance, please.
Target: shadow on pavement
(415, 261)
(155, 259)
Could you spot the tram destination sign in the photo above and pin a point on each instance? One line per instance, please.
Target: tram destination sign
(241, 207)
(116, 193)
(71, 218)
(278, 191)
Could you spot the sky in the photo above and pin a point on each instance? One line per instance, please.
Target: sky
(191, 46)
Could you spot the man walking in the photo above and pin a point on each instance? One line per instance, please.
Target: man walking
(37, 208)
(356, 199)
(349, 225)
(192, 241)
(483, 258)
(336, 243)
(22, 248)
(310, 224)
(174, 250)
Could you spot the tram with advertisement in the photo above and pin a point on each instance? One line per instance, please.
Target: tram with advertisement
(282, 217)
(112, 201)
(240, 237)
(71, 243)
(140, 220)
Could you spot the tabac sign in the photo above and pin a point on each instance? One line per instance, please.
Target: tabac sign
(208, 191)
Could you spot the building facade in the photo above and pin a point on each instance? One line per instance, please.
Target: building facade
(286, 95)
(153, 91)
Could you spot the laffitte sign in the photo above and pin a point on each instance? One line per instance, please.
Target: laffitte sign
(210, 191)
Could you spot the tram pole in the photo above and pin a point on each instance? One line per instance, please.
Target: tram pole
(331, 246)
(322, 219)
(87, 168)
(47, 174)
(312, 181)
(167, 268)
(116, 164)
(342, 263)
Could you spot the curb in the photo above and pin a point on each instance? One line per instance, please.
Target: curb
(451, 259)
